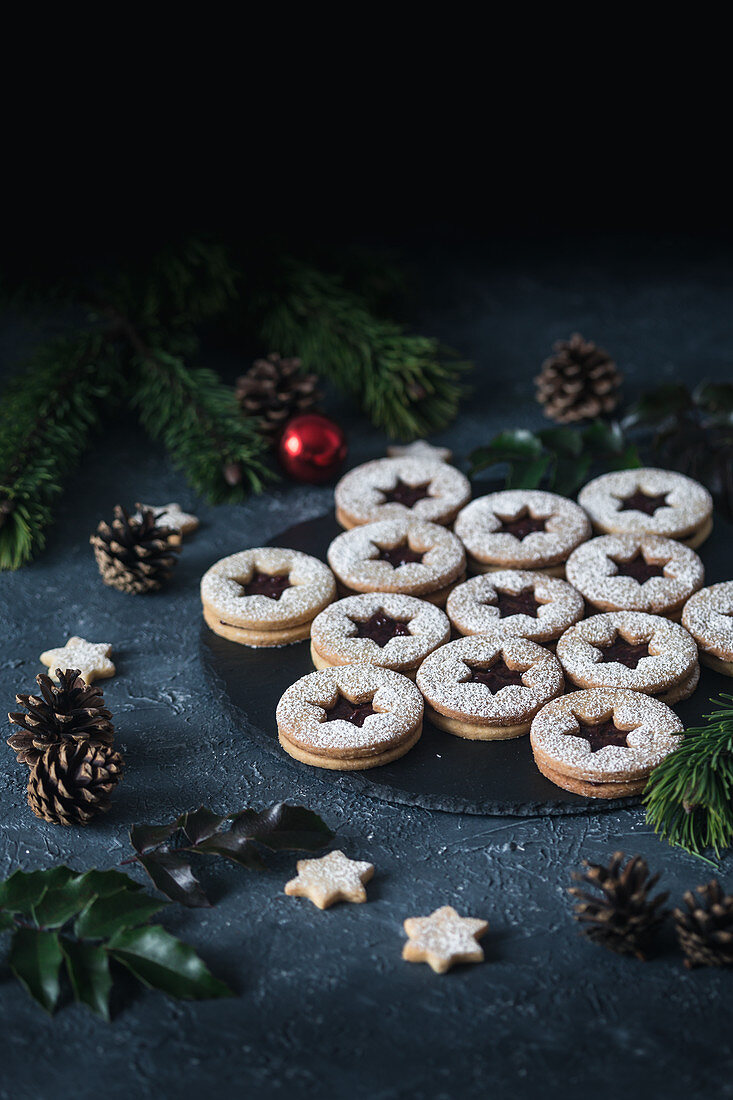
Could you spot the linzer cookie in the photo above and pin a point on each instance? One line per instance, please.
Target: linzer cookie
(350, 718)
(394, 488)
(708, 616)
(266, 596)
(515, 602)
(378, 628)
(628, 649)
(521, 529)
(649, 502)
(603, 743)
(636, 573)
(488, 688)
(399, 555)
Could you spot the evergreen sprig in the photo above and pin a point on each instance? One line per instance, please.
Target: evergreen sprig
(689, 796)
(407, 384)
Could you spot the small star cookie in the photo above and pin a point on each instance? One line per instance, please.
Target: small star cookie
(331, 878)
(91, 658)
(170, 515)
(444, 939)
(420, 449)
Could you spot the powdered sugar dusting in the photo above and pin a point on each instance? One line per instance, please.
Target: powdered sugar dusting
(708, 616)
(333, 631)
(359, 493)
(470, 610)
(352, 557)
(593, 569)
(479, 528)
(688, 506)
(313, 586)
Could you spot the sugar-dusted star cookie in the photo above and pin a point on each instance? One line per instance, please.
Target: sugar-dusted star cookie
(91, 658)
(420, 449)
(444, 939)
(170, 515)
(331, 878)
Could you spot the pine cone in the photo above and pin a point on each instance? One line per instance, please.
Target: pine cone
(72, 782)
(705, 928)
(135, 555)
(579, 382)
(71, 711)
(275, 390)
(625, 918)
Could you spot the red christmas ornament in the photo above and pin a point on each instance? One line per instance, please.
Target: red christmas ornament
(312, 448)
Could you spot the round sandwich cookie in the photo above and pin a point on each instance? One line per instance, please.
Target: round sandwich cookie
(350, 718)
(521, 529)
(378, 628)
(649, 502)
(411, 486)
(636, 573)
(399, 555)
(266, 596)
(516, 602)
(628, 649)
(487, 687)
(603, 743)
(708, 616)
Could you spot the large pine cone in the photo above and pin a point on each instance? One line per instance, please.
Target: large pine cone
(133, 553)
(705, 927)
(622, 916)
(275, 390)
(579, 382)
(71, 711)
(72, 782)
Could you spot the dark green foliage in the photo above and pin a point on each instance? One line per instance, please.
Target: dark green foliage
(689, 796)
(165, 850)
(69, 927)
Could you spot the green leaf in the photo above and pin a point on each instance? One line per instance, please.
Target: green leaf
(714, 397)
(527, 475)
(160, 961)
(6, 922)
(569, 474)
(23, 889)
(87, 965)
(105, 916)
(104, 883)
(562, 441)
(657, 405)
(171, 872)
(35, 959)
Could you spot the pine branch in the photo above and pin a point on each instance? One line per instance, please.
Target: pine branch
(689, 796)
(46, 418)
(407, 384)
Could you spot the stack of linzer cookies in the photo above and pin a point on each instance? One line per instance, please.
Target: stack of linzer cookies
(618, 621)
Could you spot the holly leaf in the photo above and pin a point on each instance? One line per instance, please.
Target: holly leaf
(200, 824)
(171, 872)
(35, 959)
(145, 838)
(103, 917)
(521, 450)
(23, 890)
(87, 965)
(569, 474)
(162, 962)
(657, 405)
(284, 828)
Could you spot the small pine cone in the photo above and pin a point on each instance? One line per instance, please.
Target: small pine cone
(70, 711)
(72, 782)
(274, 390)
(133, 553)
(705, 927)
(623, 917)
(579, 382)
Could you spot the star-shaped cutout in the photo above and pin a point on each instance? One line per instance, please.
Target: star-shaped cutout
(402, 554)
(515, 603)
(638, 568)
(495, 677)
(271, 585)
(402, 493)
(380, 627)
(623, 652)
(639, 501)
(600, 734)
(329, 879)
(420, 449)
(522, 524)
(343, 708)
(91, 658)
(170, 515)
(444, 939)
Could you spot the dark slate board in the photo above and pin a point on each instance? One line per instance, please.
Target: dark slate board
(442, 772)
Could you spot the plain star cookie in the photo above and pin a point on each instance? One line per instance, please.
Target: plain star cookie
(329, 879)
(636, 573)
(603, 743)
(395, 488)
(444, 939)
(708, 616)
(91, 658)
(518, 602)
(171, 516)
(649, 502)
(521, 529)
(378, 628)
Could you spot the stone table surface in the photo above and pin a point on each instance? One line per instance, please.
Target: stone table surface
(325, 1006)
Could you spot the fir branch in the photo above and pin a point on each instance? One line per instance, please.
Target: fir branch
(689, 796)
(407, 384)
(47, 415)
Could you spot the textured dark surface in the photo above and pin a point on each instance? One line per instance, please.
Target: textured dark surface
(325, 1005)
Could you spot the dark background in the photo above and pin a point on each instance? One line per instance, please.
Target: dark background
(325, 1006)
